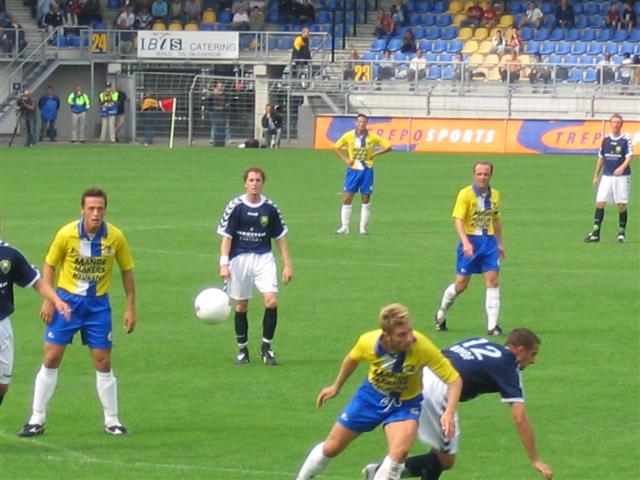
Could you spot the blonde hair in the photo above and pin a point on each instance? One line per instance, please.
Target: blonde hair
(392, 316)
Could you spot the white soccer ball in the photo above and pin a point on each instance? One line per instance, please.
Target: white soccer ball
(212, 305)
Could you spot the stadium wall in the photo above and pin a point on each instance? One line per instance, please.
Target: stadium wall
(477, 135)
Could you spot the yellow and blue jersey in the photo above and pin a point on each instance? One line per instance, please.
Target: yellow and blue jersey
(361, 147)
(476, 210)
(401, 375)
(86, 264)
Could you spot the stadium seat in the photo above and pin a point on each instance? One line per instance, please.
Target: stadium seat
(458, 19)
(573, 35)
(549, 21)
(272, 42)
(158, 25)
(603, 35)
(569, 60)
(61, 41)
(424, 7)
(456, 6)
(431, 57)
(191, 27)
(439, 7)
(553, 59)
(526, 34)
(427, 19)
(400, 32)
(414, 19)
(425, 45)
(486, 46)
(596, 21)
(594, 48)
(444, 20)
(585, 60)
(546, 48)
(394, 44)
(541, 34)
(448, 72)
(470, 47)
(578, 48)
(434, 72)
(506, 21)
(575, 75)
(611, 48)
(582, 21)
(285, 42)
(455, 46)
(590, 75)
(563, 48)
(619, 35)
(515, 7)
(439, 46)
(315, 41)
(207, 27)
(587, 35)
(446, 57)
(225, 17)
(557, 34)
(448, 33)
(114, 4)
(547, 7)
(634, 35)
(627, 47)
(590, 8)
(400, 57)
(603, 8)
(465, 33)
(370, 56)
(175, 26)
(480, 34)
(524, 59)
(378, 45)
(209, 16)
(577, 8)
(432, 33)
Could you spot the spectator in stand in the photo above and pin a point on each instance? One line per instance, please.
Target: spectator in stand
(349, 67)
(386, 68)
(240, 20)
(474, 15)
(627, 17)
(125, 21)
(400, 13)
(286, 11)
(606, 68)
(43, 7)
(515, 42)
(626, 69)
(301, 54)
(176, 10)
(193, 10)
(271, 127)
(565, 17)
(160, 10)
(461, 69)
(49, 104)
(613, 17)
(636, 69)
(510, 69)
(306, 13)
(533, 17)
(13, 37)
(489, 17)
(144, 19)
(409, 43)
(256, 19)
(384, 25)
(5, 18)
(92, 13)
(53, 19)
(539, 73)
(499, 43)
(72, 9)
(417, 67)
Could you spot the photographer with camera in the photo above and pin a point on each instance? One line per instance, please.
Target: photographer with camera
(27, 115)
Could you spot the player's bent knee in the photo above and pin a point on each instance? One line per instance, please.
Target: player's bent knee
(3, 389)
(446, 461)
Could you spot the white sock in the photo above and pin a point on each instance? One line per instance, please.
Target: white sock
(108, 393)
(314, 464)
(448, 297)
(45, 384)
(492, 305)
(345, 215)
(389, 470)
(365, 212)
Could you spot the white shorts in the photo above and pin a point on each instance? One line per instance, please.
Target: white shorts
(434, 404)
(6, 351)
(614, 189)
(251, 269)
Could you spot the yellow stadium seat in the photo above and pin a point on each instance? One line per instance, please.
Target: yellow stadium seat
(524, 59)
(455, 7)
(505, 57)
(506, 21)
(492, 58)
(209, 16)
(480, 34)
(175, 26)
(465, 33)
(191, 26)
(494, 32)
(458, 19)
(159, 26)
(485, 46)
(470, 46)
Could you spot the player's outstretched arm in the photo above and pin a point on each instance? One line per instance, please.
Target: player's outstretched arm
(525, 431)
(348, 366)
(130, 292)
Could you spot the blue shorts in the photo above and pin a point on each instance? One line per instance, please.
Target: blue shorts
(90, 315)
(369, 408)
(486, 257)
(359, 180)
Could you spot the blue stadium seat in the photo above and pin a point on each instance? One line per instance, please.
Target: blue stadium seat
(636, 8)
(547, 48)
(541, 34)
(424, 6)
(323, 17)
(590, 75)
(586, 60)
(575, 75)
(603, 35)
(582, 21)
(563, 48)
(573, 35)
(114, 4)
(553, 59)
(448, 33)
(431, 57)
(526, 33)
(439, 46)
(273, 17)
(446, 57)
(587, 35)
(426, 45)
(549, 21)
(547, 7)
(611, 48)
(414, 19)
(225, 17)
(578, 48)
(439, 7)
(557, 34)
(619, 35)
(590, 8)
(594, 48)
(627, 47)
(370, 56)
(434, 73)
(455, 46)
(515, 7)
(285, 43)
(315, 41)
(532, 47)
(61, 41)
(577, 8)
(448, 72)
(604, 7)
(73, 41)
(378, 45)
(410, 4)
(432, 33)
(207, 27)
(596, 21)
(444, 20)
(634, 36)
(398, 56)
(427, 19)
(394, 44)
(418, 32)
(399, 32)
(569, 59)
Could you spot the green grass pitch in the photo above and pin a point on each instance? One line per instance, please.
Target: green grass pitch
(193, 414)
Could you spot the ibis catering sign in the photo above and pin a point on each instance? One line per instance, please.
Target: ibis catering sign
(188, 45)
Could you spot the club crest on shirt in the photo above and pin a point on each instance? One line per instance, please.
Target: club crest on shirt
(5, 265)
(618, 148)
(264, 220)
(107, 251)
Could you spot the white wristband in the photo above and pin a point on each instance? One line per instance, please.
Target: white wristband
(224, 260)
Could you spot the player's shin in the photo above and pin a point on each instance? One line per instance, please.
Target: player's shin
(345, 215)
(427, 467)
(449, 297)
(269, 323)
(45, 384)
(492, 306)
(107, 388)
(314, 463)
(242, 328)
(365, 212)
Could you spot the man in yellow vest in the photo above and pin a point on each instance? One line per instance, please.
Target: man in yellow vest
(108, 111)
(79, 103)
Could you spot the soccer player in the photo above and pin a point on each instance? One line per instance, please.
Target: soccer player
(390, 395)
(485, 367)
(614, 185)
(362, 146)
(476, 218)
(248, 224)
(15, 269)
(85, 251)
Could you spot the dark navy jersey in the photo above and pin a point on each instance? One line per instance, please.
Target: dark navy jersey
(614, 151)
(251, 226)
(14, 268)
(486, 367)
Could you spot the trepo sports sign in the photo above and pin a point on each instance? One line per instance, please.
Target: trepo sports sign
(173, 44)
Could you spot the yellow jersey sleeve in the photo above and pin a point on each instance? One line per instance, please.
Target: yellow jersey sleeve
(435, 360)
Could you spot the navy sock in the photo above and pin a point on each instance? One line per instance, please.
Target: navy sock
(623, 220)
(269, 323)
(597, 219)
(242, 328)
(427, 467)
